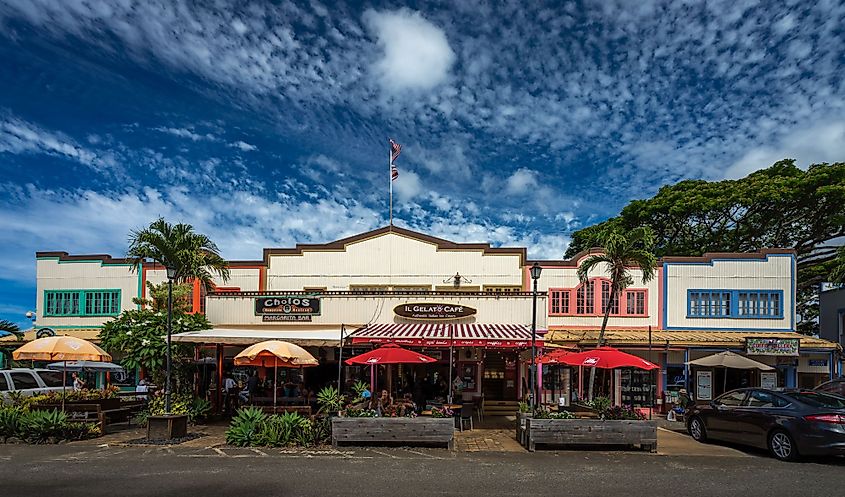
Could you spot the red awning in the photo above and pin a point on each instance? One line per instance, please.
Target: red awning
(443, 335)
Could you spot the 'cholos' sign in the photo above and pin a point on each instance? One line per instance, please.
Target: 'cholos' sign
(288, 306)
(433, 311)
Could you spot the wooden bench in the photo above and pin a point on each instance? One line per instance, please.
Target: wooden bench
(93, 413)
(402, 431)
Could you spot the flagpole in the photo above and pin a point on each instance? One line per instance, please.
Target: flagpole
(390, 179)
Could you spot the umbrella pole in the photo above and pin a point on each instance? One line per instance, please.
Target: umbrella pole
(372, 379)
(64, 383)
(275, 379)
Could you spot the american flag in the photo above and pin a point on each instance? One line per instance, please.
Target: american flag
(395, 150)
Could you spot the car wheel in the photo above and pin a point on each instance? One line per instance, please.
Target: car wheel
(782, 446)
(697, 430)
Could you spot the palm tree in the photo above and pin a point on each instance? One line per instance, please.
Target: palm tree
(191, 254)
(621, 251)
(10, 327)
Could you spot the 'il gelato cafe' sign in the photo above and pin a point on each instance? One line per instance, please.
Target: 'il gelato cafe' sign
(287, 308)
(433, 311)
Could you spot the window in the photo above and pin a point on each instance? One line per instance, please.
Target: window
(559, 302)
(81, 302)
(22, 381)
(51, 378)
(731, 399)
(759, 304)
(584, 301)
(635, 302)
(709, 304)
(759, 398)
(820, 400)
(605, 298)
(3, 384)
(735, 303)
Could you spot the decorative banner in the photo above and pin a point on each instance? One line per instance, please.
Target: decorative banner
(296, 305)
(772, 346)
(433, 311)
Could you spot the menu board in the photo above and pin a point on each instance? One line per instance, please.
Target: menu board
(704, 385)
(636, 386)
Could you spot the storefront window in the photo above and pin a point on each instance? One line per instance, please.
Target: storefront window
(637, 386)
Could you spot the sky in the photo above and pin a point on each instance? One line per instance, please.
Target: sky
(265, 124)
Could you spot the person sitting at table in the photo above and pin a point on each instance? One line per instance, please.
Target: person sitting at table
(406, 405)
(385, 403)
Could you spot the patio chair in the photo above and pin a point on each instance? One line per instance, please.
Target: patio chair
(467, 412)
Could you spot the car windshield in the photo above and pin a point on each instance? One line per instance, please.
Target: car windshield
(819, 399)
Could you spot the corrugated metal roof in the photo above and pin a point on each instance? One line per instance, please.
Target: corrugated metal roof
(689, 338)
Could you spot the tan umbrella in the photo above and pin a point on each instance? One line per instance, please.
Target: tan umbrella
(61, 348)
(728, 359)
(275, 353)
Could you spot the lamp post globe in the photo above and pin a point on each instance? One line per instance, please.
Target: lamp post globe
(535, 275)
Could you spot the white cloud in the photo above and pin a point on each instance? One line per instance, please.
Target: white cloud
(521, 182)
(416, 53)
(408, 185)
(186, 133)
(244, 146)
(21, 137)
(824, 142)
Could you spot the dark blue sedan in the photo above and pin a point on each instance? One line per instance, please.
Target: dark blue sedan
(788, 423)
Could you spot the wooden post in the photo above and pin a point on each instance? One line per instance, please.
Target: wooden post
(219, 378)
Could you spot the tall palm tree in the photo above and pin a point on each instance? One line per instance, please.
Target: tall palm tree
(621, 251)
(10, 327)
(178, 246)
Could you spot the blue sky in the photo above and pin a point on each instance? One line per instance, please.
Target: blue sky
(265, 123)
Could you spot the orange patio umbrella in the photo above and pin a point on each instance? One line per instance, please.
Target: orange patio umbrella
(275, 353)
(61, 348)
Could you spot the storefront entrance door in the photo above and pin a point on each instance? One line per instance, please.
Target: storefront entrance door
(500, 375)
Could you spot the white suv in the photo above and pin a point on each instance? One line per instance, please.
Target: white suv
(28, 381)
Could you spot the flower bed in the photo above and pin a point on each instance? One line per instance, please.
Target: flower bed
(396, 430)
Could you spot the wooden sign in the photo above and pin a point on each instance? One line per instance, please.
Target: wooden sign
(294, 305)
(433, 311)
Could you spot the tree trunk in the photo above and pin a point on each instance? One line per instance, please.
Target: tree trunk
(601, 338)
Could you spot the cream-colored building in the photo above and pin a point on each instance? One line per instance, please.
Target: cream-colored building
(364, 290)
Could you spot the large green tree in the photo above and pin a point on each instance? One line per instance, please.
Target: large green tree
(178, 246)
(621, 251)
(137, 338)
(781, 206)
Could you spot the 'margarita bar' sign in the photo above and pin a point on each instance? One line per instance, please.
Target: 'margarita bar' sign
(433, 311)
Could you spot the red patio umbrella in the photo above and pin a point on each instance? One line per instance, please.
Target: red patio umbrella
(605, 358)
(389, 354)
(553, 357)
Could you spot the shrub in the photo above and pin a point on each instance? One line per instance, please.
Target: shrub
(196, 408)
(546, 414)
(245, 427)
(621, 412)
(11, 422)
(329, 400)
(441, 412)
(524, 407)
(199, 410)
(358, 388)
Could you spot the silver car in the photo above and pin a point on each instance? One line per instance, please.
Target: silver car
(29, 382)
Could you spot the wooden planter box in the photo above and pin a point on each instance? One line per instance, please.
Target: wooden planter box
(592, 432)
(167, 427)
(408, 431)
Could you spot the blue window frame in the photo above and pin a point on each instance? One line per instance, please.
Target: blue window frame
(745, 304)
(82, 302)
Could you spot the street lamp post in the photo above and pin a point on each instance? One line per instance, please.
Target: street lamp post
(535, 275)
(171, 275)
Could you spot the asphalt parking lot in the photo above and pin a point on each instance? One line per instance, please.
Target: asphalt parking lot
(107, 470)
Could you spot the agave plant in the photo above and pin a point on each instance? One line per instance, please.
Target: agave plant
(11, 422)
(43, 426)
(245, 427)
(329, 400)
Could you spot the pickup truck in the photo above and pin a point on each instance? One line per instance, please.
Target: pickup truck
(28, 381)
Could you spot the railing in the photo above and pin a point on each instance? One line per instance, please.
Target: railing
(372, 293)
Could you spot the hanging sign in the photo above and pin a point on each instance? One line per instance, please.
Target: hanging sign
(433, 311)
(772, 346)
(293, 306)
